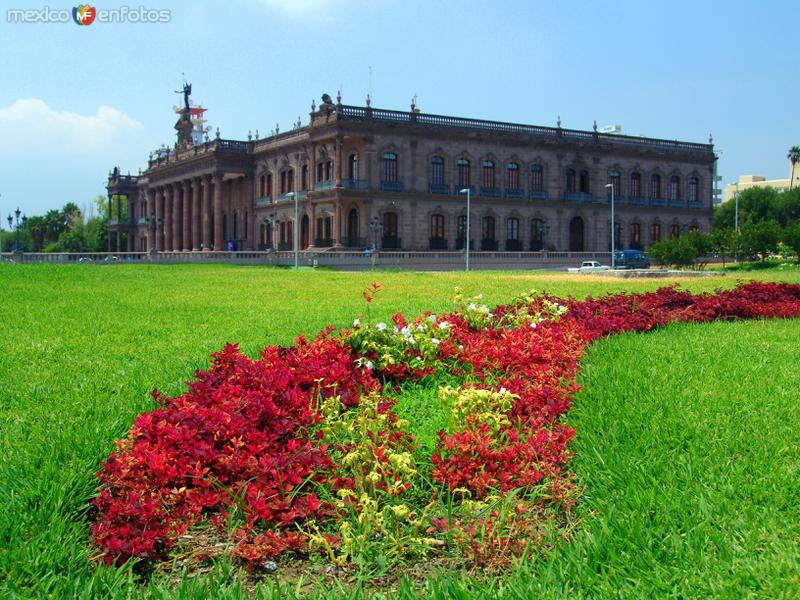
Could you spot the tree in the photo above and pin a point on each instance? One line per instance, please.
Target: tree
(794, 157)
(677, 251)
(791, 237)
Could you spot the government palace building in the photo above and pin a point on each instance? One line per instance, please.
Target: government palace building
(360, 177)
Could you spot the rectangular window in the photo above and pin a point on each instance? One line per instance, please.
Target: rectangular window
(636, 185)
(655, 233)
(537, 181)
(463, 174)
(437, 226)
(512, 229)
(437, 171)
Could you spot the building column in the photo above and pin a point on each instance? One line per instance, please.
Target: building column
(176, 217)
(186, 207)
(196, 214)
(151, 203)
(338, 170)
(337, 222)
(161, 200)
(207, 239)
(218, 243)
(119, 222)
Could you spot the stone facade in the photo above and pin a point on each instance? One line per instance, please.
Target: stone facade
(359, 177)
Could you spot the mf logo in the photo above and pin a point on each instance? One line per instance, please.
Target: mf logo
(83, 14)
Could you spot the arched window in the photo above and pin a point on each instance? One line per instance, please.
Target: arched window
(329, 170)
(352, 228)
(584, 182)
(389, 166)
(321, 171)
(462, 165)
(694, 228)
(437, 170)
(576, 235)
(513, 243)
(674, 188)
(488, 228)
(655, 186)
(675, 230)
(615, 179)
(304, 178)
(655, 233)
(488, 174)
(570, 181)
(290, 180)
(437, 226)
(352, 166)
(537, 178)
(636, 236)
(693, 185)
(262, 186)
(283, 182)
(512, 176)
(537, 235)
(461, 227)
(390, 225)
(636, 185)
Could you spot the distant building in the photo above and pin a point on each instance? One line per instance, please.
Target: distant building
(367, 177)
(750, 181)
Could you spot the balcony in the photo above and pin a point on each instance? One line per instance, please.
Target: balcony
(516, 193)
(391, 243)
(460, 244)
(677, 203)
(490, 192)
(355, 184)
(356, 242)
(537, 195)
(289, 196)
(323, 242)
(438, 243)
(263, 201)
(656, 202)
(695, 204)
(490, 245)
(439, 188)
(391, 186)
(513, 245)
(577, 197)
(325, 185)
(636, 201)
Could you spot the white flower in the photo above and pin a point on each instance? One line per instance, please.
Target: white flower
(419, 358)
(420, 327)
(445, 325)
(405, 331)
(435, 341)
(472, 306)
(356, 323)
(380, 326)
(369, 365)
(534, 324)
(432, 318)
(411, 340)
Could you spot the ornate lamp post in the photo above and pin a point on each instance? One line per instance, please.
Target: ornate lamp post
(613, 228)
(544, 229)
(12, 226)
(154, 223)
(467, 242)
(375, 227)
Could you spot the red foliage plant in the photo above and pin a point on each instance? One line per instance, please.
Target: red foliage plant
(244, 440)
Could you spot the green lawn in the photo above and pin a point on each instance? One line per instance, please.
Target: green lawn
(685, 436)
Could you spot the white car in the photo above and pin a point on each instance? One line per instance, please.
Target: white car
(589, 266)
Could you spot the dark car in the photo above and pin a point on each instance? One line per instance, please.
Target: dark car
(631, 259)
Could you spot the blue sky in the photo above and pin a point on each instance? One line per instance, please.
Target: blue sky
(77, 100)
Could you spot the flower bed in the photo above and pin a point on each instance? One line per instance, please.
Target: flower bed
(300, 450)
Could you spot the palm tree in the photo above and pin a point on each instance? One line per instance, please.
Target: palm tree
(794, 158)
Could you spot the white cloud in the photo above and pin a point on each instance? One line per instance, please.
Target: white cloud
(30, 123)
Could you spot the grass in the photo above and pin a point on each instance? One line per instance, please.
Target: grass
(689, 490)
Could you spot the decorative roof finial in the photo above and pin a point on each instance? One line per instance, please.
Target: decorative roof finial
(217, 132)
(710, 139)
(594, 126)
(313, 105)
(558, 121)
(205, 135)
(277, 128)
(299, 122)
(256, 134)
(369, 100)
(249, 136)
(338, 96)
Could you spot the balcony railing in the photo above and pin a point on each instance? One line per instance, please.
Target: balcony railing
(636, 201)
(323, 242)
(489, 245)
(537, 245)
(677, 203)
(289, 196)
(457, 189)
(263, 201)
(325, 185)
(355, 184)
(578, 197)
(439, 188)
(438, 243)
(513, 245)
(460, 244)
(355, 242)
(515, 193)
(391, 186)
(695, 204)
(656, 202)
(490, 192)
(391, 243)
(285, 246)
(540, 195)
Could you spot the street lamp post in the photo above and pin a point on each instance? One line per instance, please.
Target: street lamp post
(375, 226)
(736, 197)
(12, 226)
(467, 241)
(154, 222)
(613, 228)
(296, 229)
